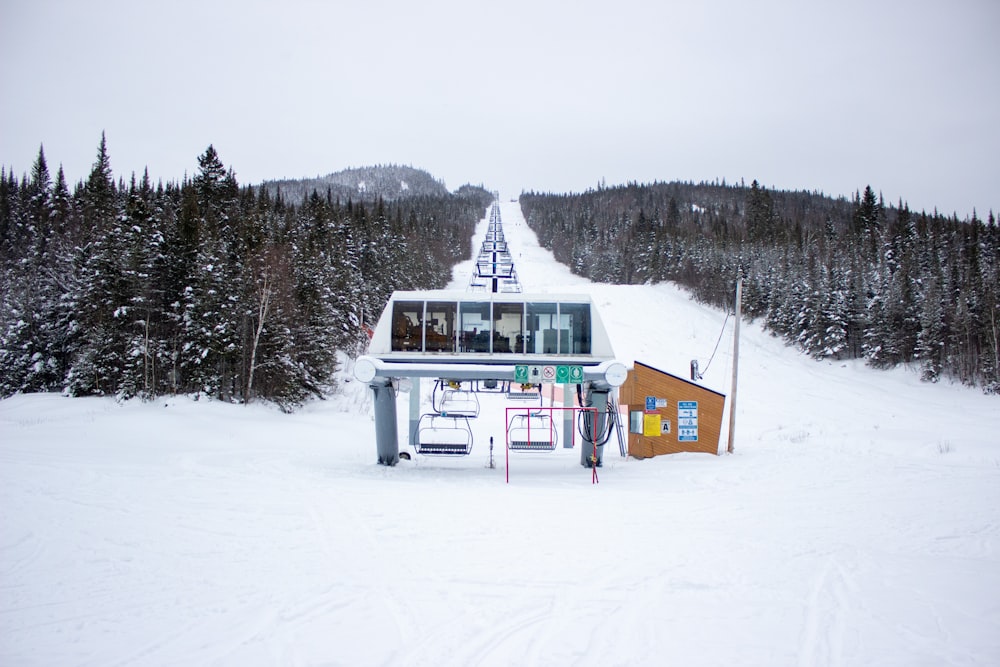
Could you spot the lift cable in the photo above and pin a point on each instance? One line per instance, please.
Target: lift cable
(719, 340)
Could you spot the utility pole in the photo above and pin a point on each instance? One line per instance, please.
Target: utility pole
(736, 360)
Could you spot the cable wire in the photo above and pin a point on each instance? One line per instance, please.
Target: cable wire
(724, 323)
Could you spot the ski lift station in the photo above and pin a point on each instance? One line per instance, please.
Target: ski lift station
(470, 342)
(489, 338)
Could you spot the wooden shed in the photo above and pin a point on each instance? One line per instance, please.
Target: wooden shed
(668, 414)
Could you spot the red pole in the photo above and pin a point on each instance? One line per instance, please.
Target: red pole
(593, 458)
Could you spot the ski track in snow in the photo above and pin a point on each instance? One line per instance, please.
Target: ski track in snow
(858, 522)
(826, 617)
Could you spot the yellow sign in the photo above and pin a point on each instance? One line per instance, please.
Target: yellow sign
(651, 425)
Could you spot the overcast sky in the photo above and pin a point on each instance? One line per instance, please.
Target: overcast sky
(903, 95)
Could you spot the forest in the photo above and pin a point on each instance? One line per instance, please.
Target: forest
(242, 292)
(841, 279)
(205, 286)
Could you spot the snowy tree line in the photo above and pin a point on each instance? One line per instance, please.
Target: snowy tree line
(841, 279)
(390, 181)
(204, 286)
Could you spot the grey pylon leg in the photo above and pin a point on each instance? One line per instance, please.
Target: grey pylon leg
(386, 436)
(414, 411)
(569, 401)
(592, 431)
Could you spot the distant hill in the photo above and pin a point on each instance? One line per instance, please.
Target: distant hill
(362, 183)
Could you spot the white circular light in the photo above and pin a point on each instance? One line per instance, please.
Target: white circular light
(616, 374)
(364, 369)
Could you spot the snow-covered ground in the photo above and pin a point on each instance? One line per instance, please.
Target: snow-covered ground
(858, 523)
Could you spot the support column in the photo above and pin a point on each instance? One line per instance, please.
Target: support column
(386, 436)
(414, 411)
(594, 431)
(569, 401)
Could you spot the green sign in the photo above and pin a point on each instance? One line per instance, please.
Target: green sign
(569, 374)
(563, 374)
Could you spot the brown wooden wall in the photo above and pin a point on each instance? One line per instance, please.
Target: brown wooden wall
(646, 381)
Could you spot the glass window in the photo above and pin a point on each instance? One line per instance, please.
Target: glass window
(439, 327)
(574, 326)
(508, 327)
(541, 331)
(407, 317)
(474, 326)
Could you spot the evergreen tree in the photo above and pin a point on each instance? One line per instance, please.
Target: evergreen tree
(933, 331)
(142, 321)
(99, 195)
(761, 223)
(868, 222)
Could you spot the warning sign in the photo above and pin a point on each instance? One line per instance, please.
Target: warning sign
(651, 425)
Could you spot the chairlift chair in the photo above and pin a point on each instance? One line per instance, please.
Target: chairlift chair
(439, 435)
(510, 287)
(533, 431)
(455, 402)
(526, 395)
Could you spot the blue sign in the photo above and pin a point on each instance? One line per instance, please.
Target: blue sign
(651, 402)
(687, 421)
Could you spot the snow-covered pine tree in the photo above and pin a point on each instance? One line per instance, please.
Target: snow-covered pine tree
(103, 301)
(143, 244)
(933, 329)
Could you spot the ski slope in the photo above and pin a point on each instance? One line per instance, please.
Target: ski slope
(857, 523)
